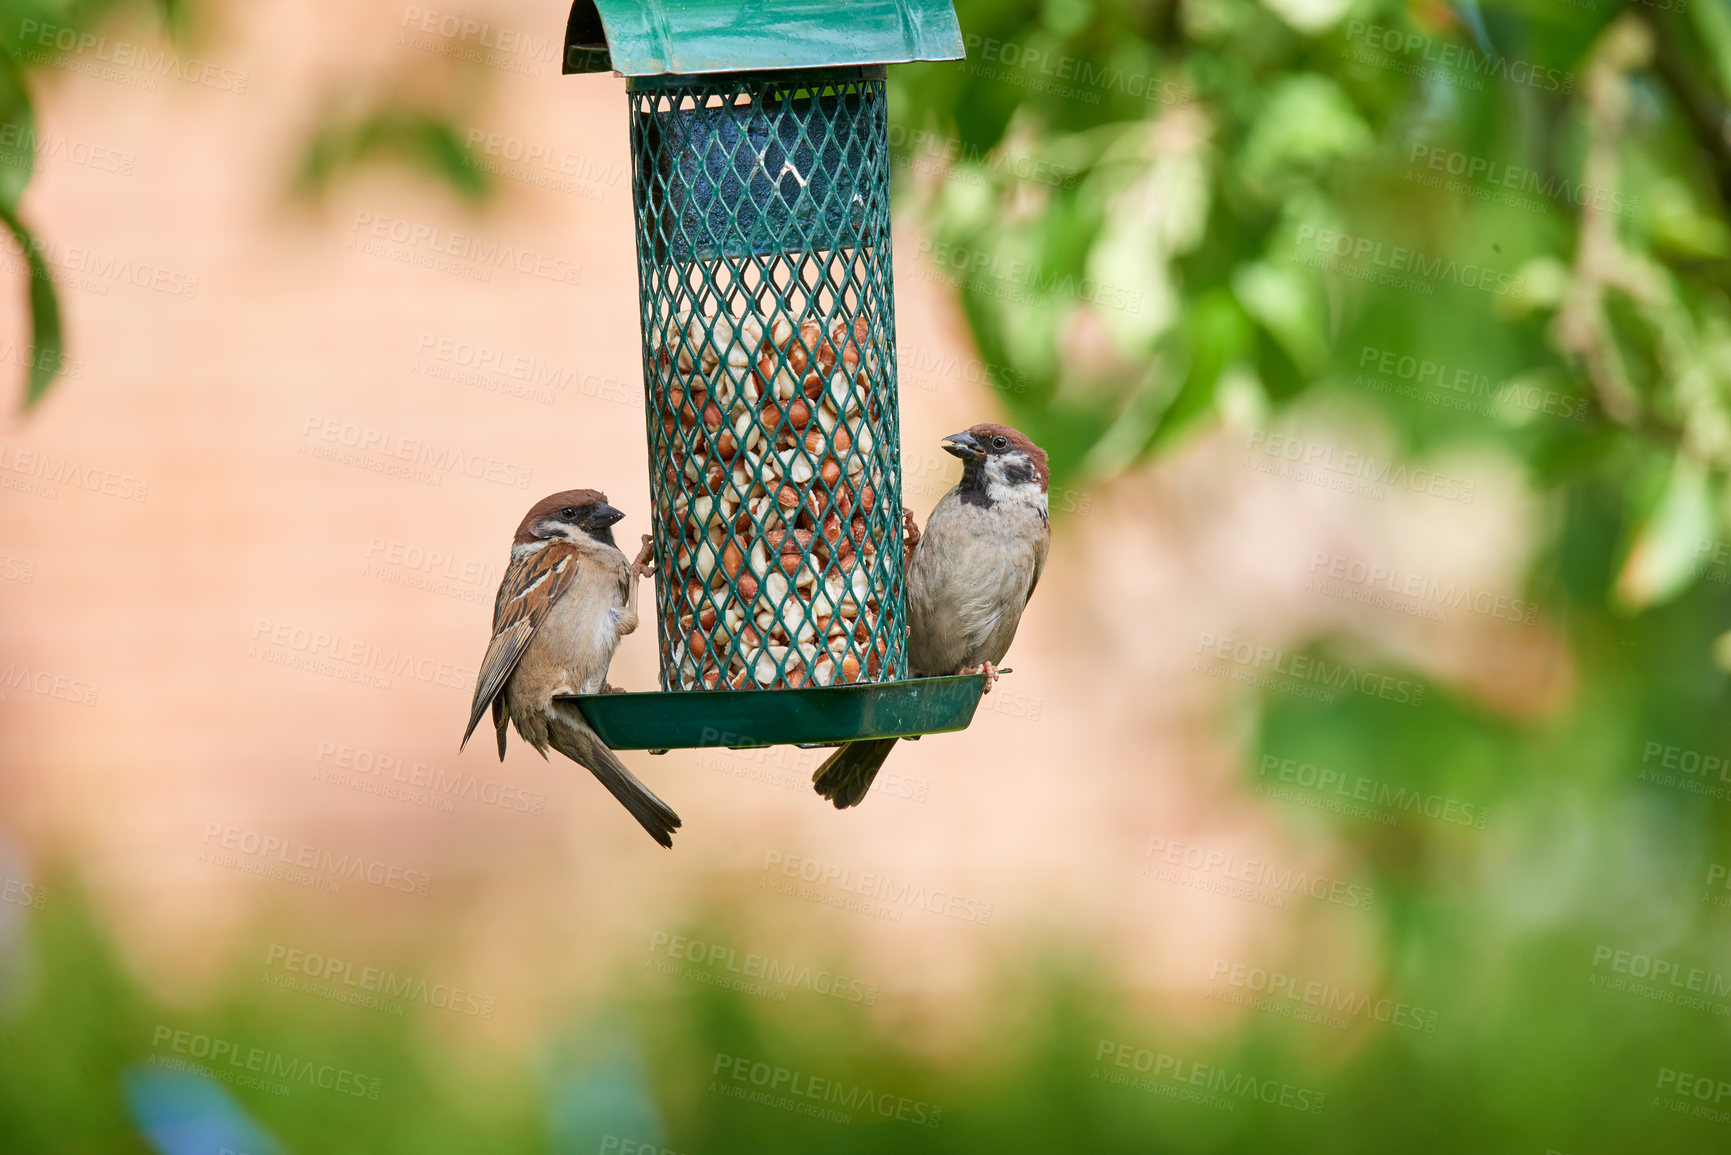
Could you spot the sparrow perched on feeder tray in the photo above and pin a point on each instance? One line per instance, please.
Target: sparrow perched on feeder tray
(567, 598)
(970, 575)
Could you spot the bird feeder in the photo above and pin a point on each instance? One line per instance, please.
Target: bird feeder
(760, 187)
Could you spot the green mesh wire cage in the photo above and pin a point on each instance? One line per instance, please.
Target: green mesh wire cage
(760, 188)
(763, 259)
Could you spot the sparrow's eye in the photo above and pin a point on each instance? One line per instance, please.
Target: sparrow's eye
(568, 513)
(1000, 441)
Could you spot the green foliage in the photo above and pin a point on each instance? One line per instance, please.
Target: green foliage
(428, 142)
(1537, 190)
(45, 336)
(18, 123)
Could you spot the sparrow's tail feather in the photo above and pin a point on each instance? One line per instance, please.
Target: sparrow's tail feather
(847, 774)
(583, 746)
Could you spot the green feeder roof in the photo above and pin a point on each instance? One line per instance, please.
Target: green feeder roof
(652, 37)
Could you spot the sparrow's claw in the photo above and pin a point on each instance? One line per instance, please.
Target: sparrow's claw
(910, 531)
(608, 688)
(987, 669)
(644, 564)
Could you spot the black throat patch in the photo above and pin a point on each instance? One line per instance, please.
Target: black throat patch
(972, 486)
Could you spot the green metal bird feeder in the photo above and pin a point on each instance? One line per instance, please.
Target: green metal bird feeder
(760, 183)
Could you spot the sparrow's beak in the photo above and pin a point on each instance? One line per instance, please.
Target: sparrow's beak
(963, 446)
(603, 517)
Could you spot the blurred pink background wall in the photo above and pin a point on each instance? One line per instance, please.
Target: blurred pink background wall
(257, 424)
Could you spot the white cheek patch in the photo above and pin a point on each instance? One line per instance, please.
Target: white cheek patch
(1012, 479)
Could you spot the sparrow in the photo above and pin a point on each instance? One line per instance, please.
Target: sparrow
(970, 575)
(567, 598)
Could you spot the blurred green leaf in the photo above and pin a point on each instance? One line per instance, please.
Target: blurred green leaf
(1667, 551)
(45, 332)
(427, 142)
(1307, 123)
(18, 121)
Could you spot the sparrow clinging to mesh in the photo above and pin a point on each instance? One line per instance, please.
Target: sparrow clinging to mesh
(970, 575)
(567, 598)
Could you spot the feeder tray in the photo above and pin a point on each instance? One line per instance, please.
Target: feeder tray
(741, 719)
(760, 187)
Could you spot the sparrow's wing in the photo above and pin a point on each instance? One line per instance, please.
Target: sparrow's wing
(1041, 548)
(501, 715)
(532, 584)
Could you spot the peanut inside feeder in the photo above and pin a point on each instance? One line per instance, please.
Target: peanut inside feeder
(765, 284)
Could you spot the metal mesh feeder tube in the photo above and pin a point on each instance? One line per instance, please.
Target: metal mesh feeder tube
(763, 251)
